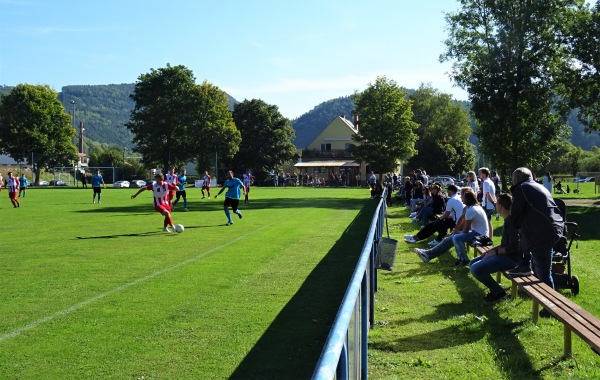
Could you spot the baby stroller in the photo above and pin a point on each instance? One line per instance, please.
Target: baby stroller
(561, 260)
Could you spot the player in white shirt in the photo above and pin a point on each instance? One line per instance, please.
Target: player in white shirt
(206, 184)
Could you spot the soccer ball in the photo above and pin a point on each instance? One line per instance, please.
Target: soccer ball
(179, 228)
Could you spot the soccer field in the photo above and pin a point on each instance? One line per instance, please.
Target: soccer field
(100, 291)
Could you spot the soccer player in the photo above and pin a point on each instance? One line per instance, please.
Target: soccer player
(248, 180)
(171, 178)
(13, 188)
(23, 185)
(232, 196)
(97, 184)
(162, 199)
(206, 185)
(181, 178)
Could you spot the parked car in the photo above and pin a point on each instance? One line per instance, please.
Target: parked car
(138, 183)
(121, 184)
(587, 179)
(444, 180)
(57, 182)
(44, 183)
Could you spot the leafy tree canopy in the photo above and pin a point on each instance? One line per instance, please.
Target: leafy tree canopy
(266, 137)
(32, 120)
(582, 81)
(386, 130)
(509, 56)
(444, 130)
(174, 120)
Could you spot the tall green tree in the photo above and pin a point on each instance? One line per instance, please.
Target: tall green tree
(213, 132)
(508, 55)
(175, 121)
(582, 83)
(162, 115)
(444, 130)
(386, 132)
(34, 123)
(266, 137)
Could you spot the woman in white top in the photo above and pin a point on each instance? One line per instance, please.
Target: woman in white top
(472, 182)
(476, 224)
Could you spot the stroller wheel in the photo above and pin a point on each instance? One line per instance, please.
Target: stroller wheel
(574, 285)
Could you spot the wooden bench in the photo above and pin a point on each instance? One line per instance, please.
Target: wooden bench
(574, 318)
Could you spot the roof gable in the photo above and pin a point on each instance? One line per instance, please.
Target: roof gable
(340, 128)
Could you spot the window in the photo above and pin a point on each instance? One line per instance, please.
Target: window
(325, 147)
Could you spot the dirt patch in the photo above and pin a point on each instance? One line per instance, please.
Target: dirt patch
(582, 202)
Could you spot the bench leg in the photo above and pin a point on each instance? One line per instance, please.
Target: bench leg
(567, 344)
(513, 290)
(498, 277)
(535, 311)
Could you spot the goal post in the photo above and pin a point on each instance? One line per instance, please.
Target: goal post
(74, 174)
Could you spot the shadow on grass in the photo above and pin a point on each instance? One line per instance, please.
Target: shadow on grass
(275, 203)
(471, 319)
(291, 346)
(142, 234)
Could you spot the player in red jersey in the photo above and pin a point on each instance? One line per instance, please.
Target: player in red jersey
(206, 184)
(13, 189)
(248, 180)
(171, 177)
(162, 199)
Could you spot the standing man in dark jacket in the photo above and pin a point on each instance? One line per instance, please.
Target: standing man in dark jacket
(536, 214)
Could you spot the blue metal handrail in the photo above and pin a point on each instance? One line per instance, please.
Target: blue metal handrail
(344, 355)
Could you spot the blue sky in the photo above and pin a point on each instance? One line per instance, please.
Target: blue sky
(293, 54)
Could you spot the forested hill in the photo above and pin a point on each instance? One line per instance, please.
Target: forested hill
(103, 109)
(309, 125)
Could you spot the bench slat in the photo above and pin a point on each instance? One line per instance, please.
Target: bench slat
(584, 324)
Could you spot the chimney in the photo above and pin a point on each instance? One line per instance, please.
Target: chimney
(356, 122)
(343, 117)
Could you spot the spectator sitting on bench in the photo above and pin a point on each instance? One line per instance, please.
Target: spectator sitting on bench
(467, 196)
(500, 258)
(476, 224)
(454, 209)
(376, 190)
(434, 206)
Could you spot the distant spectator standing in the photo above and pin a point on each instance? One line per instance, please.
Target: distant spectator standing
(472, 182)
(547, 182)
(421, 176)
(488, 201)
(276, 179)
(372, 180)
(23, 185)
(496, 180)
(537, 215)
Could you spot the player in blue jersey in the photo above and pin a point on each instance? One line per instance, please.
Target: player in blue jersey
(97, 184)
(235, 188)
(181, 178)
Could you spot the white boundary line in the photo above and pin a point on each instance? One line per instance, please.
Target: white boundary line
(80, 305)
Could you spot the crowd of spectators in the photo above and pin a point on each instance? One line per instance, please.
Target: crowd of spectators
(532, 224)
